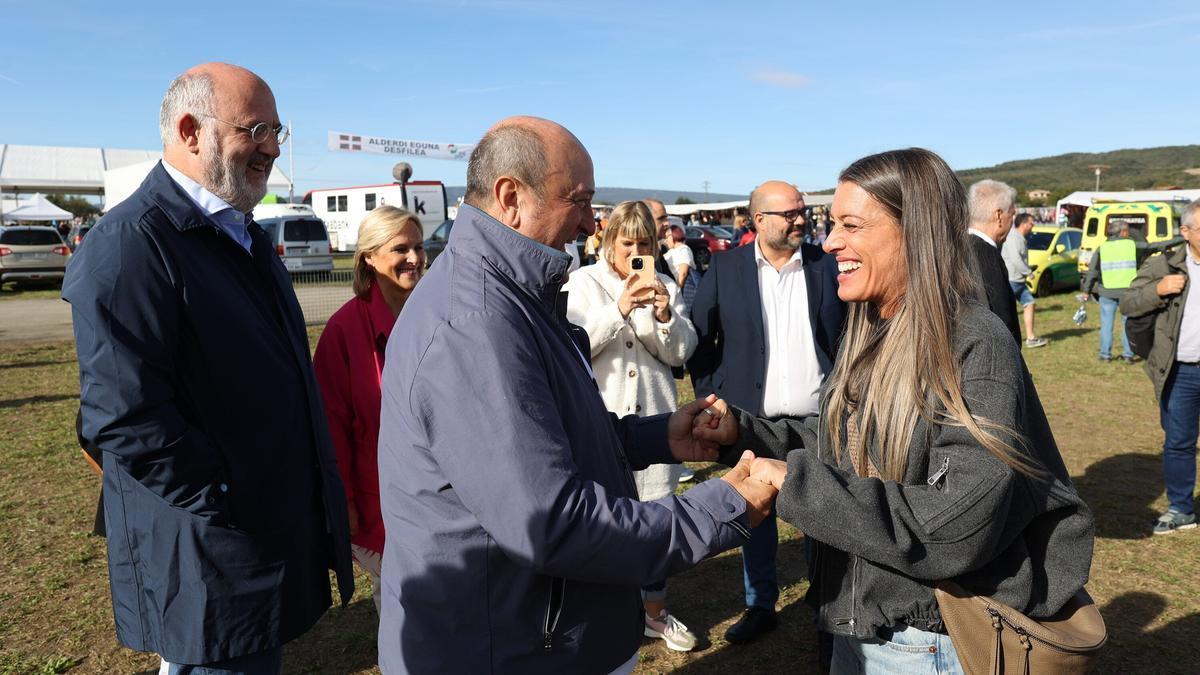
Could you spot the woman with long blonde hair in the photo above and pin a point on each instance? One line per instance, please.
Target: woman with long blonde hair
(932, 458)
(389, 260)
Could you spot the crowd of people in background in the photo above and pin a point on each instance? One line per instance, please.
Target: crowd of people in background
(497, 441)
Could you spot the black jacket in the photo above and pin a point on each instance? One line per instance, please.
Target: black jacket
(730, 358)
(224, 505)
(960, 513)
(994, 277)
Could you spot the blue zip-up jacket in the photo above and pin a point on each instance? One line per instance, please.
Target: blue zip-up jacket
(516, 543)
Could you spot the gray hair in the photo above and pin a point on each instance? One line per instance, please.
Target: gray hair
(988, 196)
(510, 150)
(1115, 228)
(189, 94)
(1189, 214)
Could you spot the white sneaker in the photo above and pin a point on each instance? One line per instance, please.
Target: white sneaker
(675, 634)
(686, 475)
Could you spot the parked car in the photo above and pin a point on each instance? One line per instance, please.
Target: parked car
(436, 243)
(706, 240)
(76, 235)
(1054, 257)
(298, 235)
(32, 254)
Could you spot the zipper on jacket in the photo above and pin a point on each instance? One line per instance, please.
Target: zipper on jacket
(558, 588)
(941, 473)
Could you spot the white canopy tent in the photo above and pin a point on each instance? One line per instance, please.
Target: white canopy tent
(1089, 198)
(685, 209)
(33, 208)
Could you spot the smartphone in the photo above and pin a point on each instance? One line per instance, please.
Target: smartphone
(642, 267)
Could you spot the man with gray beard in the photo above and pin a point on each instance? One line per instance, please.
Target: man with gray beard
(224, 505)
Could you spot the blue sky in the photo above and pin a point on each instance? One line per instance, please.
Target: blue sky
(665, 95)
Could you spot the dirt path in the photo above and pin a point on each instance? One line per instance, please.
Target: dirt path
(50, 318)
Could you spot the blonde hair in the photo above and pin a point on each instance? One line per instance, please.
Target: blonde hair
(378, 228)
(740, 220)
(892, 372)
(632, 220)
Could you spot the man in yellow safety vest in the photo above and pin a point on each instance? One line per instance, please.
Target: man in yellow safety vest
(1112, 269)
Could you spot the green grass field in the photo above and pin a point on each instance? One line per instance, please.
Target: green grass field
(55, 614)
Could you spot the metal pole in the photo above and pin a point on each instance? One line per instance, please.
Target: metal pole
(291, 165)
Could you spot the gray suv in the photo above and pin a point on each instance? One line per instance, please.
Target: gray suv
(32, 254)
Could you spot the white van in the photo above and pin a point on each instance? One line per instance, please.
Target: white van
(343, 209)
(298, 235)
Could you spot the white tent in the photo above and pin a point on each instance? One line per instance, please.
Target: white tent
(1089, 198)
(33, 208)
(685, 209)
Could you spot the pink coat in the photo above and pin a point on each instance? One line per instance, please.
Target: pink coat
(349, 364)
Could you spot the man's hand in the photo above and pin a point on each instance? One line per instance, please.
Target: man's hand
(685, 446)
(771, 471)
(759, 496)
(1171, 284)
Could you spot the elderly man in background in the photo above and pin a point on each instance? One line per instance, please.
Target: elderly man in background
(1015, 251)
(516, 542)
(993, 206)
(1164, 286)
(224, 506)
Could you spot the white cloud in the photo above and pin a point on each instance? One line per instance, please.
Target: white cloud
(779, 78)
(8, 79)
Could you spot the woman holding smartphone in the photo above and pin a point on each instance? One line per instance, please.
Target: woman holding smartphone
(638, 330)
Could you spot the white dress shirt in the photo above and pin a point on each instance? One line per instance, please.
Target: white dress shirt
(227, 219)
(792, 385)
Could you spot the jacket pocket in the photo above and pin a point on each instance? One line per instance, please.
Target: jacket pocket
(202, 585)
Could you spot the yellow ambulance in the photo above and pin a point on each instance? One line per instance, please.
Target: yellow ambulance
(1156, 224)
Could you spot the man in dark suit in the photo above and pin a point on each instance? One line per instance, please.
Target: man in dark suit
(769, 321)
(993, 206)
(221, 493)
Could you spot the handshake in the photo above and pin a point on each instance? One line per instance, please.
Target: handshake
(758, 480)
(696, 430)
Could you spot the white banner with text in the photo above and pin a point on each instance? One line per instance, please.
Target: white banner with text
(377, 145)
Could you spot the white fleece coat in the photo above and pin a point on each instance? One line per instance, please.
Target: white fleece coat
(632, 358)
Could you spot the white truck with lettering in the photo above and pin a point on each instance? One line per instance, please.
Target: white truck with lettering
(343, 209)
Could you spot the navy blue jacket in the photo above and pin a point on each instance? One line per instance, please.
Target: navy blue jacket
(224, 505)
(730, 359)
(515, 540)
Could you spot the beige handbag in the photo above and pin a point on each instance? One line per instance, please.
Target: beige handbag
(992, 638)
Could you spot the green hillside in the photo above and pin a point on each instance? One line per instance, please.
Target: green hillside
(1139, 169)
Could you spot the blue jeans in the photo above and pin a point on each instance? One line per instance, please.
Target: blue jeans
(905, 650)
(758, 564)
(1021, 293)
(1180, 418)
(1108, 311)
(268, 662)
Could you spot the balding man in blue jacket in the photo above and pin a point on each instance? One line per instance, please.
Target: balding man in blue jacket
(516, 541)
(223, 502)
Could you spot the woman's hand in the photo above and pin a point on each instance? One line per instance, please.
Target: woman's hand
(636, 294)
(662, 302)
(771, 471)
